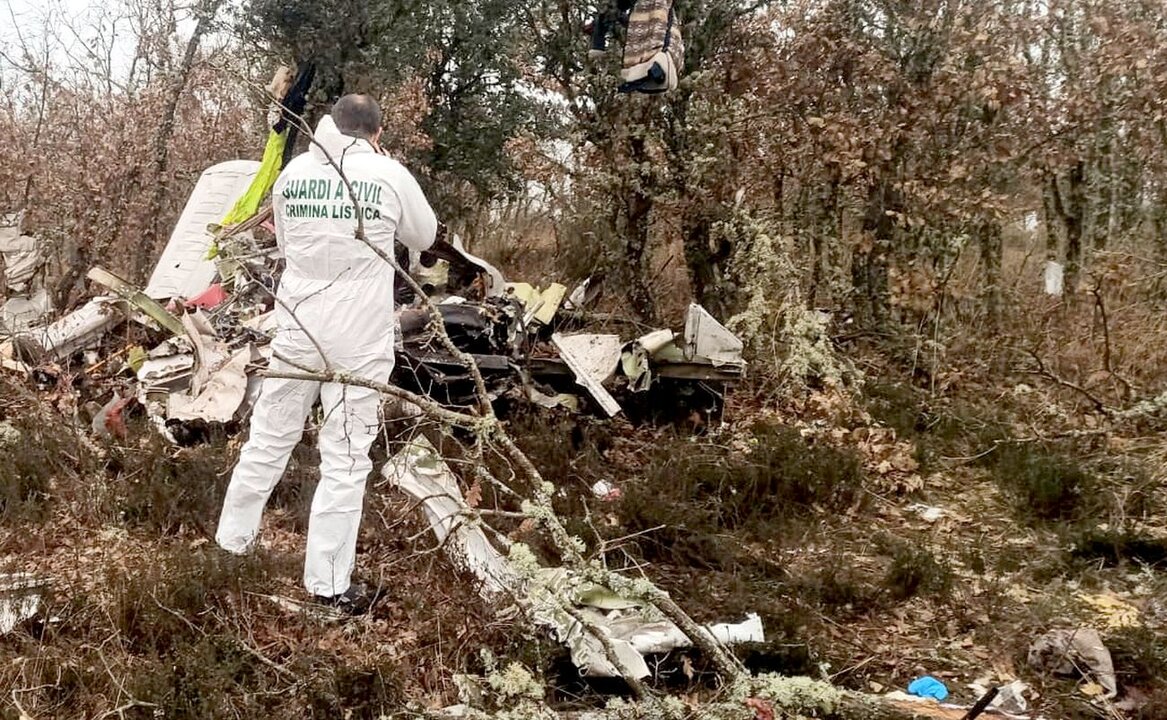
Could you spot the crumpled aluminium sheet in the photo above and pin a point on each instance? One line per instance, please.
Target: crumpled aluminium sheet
(632, 630)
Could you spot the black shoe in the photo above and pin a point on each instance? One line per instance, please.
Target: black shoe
(357, 600)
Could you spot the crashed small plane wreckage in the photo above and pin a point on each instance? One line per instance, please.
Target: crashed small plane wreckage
(210, 298)
(208, 306)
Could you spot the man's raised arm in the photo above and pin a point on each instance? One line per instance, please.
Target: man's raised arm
(418, 226)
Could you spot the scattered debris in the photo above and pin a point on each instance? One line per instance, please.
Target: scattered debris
(21, 599)
(185, 270)
(632, 630)
(928, 687)
(593, 360)
(1074, 652)
(606, 491)
(1009, 698)
(138, 299)
(928, 513)
(24, 299)
(209, 308)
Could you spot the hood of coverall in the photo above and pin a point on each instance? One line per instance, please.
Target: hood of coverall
(331, 140)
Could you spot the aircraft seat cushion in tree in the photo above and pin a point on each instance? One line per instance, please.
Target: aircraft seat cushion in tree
(654, 51)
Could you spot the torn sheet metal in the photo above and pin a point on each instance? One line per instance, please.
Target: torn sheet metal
(633, 632)
(708, 340)
(561, 400)
(21, 313)
(495, 280)
(636, 358)
(539, 306)
(593, 359)
(168, 373)
(80, 329)
(184, 270)
(584, 294)
(220, 397)
(264, 324)
(209, 353)
(420, 473)
(21, 599)
(135, 297)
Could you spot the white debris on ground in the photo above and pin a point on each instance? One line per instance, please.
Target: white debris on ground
(632, 629)
(21, 600)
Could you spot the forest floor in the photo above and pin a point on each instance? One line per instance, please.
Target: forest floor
(882, 534)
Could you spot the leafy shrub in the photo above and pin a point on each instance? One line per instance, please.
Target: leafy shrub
(166, 490)
(1047, 486)
(34, 455)
(914, 571)
(164, 606)
(700, 491)
(1115, 547)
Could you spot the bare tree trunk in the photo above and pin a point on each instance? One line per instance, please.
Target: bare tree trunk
(1053, 239)
(1071, 209)
(824, 235)
(869, 267)
(638, 211)
(205, 13)
(989, 239)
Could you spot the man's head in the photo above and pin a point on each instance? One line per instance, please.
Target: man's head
(358, 116)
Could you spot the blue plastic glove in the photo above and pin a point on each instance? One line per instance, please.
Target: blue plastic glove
(928, 687)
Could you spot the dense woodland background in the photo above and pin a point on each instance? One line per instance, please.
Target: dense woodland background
(869, 191)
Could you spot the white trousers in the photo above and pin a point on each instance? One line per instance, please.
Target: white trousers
(277, 424)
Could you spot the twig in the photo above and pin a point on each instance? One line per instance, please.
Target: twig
(121, 710)
(1107, 356)
(1043, 371)
(16, 703)
(280, 669)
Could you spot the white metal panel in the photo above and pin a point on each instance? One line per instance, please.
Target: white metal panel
(183, 270)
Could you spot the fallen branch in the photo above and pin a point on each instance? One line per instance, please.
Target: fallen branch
(1043, 371)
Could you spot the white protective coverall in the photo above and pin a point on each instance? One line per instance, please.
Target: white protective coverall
(335, 297)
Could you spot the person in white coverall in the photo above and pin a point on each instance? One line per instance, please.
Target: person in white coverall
(334, 311)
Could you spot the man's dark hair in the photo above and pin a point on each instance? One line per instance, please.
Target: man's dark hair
(357, 115)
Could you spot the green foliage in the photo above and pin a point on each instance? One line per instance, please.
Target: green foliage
(837, 588)
(1116, 547)
(1047, 487)
(166, 490)
(466, 56)
(199, 678)
(36, 454)
(165, 606)
(361, 692)
(1140, 654)
(913, 571)
(699, 491)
